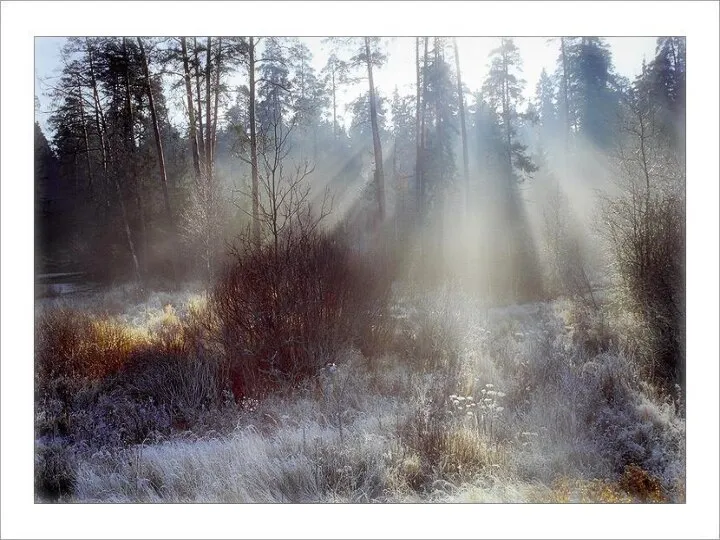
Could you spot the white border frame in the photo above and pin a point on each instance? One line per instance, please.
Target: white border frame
(21, 21)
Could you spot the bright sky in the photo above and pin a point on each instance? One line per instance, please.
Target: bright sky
(536, 53)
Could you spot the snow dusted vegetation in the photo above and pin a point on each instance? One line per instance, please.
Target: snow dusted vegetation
(466, 404)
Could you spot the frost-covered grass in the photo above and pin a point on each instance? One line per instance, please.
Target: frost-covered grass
(125, 302)
(467, 404)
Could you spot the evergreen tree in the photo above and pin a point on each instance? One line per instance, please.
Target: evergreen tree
(309, 100)
(592, 105)
(334, 76)
(503, 90)
(368, 56)
(439, 167)
(49, 207)
(360, 129)
(665, 76)
(547, 113)
(273, 86)
(515, 252)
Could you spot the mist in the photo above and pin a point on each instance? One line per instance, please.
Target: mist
(457, 285)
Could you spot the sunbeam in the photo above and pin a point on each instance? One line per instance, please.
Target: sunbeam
(276, 269)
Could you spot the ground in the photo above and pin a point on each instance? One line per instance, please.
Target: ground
(462, 403)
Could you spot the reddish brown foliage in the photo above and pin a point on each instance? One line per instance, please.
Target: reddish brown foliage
(285, 313)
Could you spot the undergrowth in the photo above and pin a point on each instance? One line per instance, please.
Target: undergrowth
(413, 398)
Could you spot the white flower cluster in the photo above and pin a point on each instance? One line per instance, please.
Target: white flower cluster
(489, 403)
(462, 404)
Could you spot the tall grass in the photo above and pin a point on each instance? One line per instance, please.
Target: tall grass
(451, 403)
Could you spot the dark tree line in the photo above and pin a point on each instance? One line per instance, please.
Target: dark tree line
(157, 163)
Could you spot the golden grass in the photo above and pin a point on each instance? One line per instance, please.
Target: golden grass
(86, 347)
(78, 346)
(634, 486)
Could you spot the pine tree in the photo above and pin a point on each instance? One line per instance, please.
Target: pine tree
(273, 86)
(665, 76)
(308, 101)
(586, 65)
(463, 129)
(367, 58)
(546, 109)
(402, 109)
(503, 90)
(334, 76)
(440, 102)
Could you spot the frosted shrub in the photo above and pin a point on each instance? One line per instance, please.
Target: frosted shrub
(55, 464)
(283, 315)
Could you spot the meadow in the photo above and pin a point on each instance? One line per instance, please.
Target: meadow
(428, 397)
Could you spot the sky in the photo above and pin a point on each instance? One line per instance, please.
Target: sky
(536, 53)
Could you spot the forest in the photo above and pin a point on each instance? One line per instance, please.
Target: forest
(248, 290)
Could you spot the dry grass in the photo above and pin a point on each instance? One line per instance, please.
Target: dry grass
(78, 346)
(499, 406)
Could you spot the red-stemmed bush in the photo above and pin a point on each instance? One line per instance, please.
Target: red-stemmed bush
(286, 312)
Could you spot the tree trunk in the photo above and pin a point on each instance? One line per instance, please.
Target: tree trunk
(437, 101)
(209, 206)
(253, 148)
(423, 203)
(463, 132)
(98, 125)
(110, 171)
(191, 113)
(128, 234)
(439, 211)
(118, 189)
(377, 147)
(86, 139)
(332, 73)
(213, 138)
(418, 148)
(506, 108)
(158, 139)
(201, 137)
(423, 187)
(131, 147)
(398, 191)
(208, 116)
(218, 59)
(565, 95)
(107, 157)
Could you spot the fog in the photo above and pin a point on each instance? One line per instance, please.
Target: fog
(456, 285)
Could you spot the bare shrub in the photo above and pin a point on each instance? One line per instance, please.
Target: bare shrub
(115, 418)
(566, 272)
(591, 333)
(645, 224)
(54, 471)
(345, 472)
(284, 315)
(186, 383)
(102, 383)
(592, 405)
(293, 296)
(445, 438)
